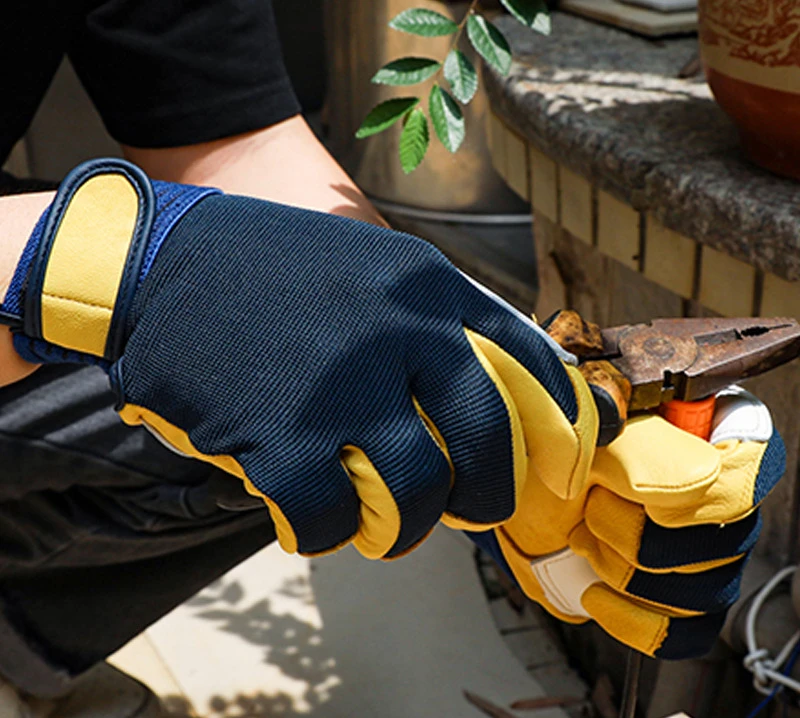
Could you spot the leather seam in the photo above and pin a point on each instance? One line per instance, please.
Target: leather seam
(77, 301)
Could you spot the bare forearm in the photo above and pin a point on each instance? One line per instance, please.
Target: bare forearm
(18, 216)
(284, 163)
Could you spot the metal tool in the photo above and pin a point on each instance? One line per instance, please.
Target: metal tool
(630, 689)
(639, 367)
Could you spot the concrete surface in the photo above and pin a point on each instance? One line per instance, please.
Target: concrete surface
(337, 637)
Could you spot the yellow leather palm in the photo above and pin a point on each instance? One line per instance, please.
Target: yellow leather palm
(655, 492)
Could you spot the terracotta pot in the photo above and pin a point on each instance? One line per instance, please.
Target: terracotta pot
(751, 54)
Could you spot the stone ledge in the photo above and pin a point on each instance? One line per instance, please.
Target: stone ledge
(610, 107)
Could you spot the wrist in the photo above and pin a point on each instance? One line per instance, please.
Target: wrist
(76, 278)
(18, 216)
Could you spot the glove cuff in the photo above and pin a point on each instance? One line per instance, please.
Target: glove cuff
(89, 252)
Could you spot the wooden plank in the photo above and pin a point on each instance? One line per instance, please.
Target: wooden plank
(496, 135)
(577, 205)
(517, 165)
(572, 275)
(552, 294)
(669, 258)
(618, 230)
(585, 273)
(780, 298)
(633, 298)
(727, 285)
(639, 20)
(544, 184)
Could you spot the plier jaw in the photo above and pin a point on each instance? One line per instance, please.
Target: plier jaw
(638, 367)
(690, 359)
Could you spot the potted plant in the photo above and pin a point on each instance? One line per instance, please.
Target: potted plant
(751, 54)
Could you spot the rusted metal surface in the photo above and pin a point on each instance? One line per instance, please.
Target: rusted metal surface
(685, 359)
(690, 359)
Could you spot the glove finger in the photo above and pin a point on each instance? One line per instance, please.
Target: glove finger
(469, 408)
(650, 631)
(750, 470)
(320, 525)
(709, 590)
(682, 480)
(402, 478)
(656, 464)
(569, 588)
(309, 523)
(640, 541)
(558, 414)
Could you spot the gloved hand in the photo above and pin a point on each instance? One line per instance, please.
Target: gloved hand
(653, 546)
(348, 374)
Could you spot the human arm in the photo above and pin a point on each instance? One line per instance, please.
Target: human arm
(18, 215)
(283, 163)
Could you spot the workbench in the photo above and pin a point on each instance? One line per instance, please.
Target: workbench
(643, 203)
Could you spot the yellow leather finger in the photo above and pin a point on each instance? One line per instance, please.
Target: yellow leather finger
(631, 623)
(728, 499)
(558, 453)
(615, 570)
(179, 440)
(618, 523)
(379, 517)
(657, 465)
(543, 521)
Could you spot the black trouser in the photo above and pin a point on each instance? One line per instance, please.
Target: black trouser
(102, 529)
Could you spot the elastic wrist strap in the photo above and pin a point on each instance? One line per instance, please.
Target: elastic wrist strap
(89, 254)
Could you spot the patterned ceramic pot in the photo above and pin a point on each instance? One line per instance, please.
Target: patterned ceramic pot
(751, 54)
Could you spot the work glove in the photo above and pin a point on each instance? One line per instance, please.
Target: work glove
(347, 373)
(652, 547)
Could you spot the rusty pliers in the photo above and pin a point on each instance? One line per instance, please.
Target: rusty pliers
(638, 367)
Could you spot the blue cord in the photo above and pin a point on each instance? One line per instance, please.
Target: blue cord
(764, 703)
(786, 671)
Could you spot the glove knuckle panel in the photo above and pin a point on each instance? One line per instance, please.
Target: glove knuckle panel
(690, 637)
(770, 469)
(663, 548)
(707, 592)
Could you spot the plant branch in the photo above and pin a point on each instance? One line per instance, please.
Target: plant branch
(457, 37)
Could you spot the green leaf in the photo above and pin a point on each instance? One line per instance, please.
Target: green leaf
(407, 71)
(461, 74)
(531, 13)
(383, 116)
(414, 141)
(490, 43)
(425, 23)
(447, 118)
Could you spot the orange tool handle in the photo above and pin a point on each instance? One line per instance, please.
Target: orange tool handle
(692, 416)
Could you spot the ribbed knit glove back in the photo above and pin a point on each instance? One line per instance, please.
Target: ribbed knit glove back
(349, 374)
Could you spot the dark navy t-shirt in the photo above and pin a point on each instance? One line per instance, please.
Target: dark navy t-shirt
(162, 73)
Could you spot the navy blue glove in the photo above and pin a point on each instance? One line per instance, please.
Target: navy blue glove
(347, 373)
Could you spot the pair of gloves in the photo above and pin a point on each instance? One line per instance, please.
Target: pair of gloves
(351, 377)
